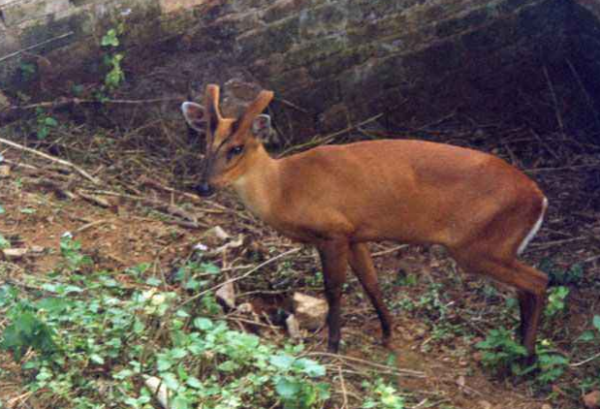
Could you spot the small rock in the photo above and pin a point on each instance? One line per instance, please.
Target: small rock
(592, 400)
(14, 254)
(220, 233)
(246, 308)
(232, 244)
(310, 311)
(4, 171)
(36, 249)
(407, 336)
(546, 406)
(226, 294)
(293, 327)
(483, 404)
(159, 389)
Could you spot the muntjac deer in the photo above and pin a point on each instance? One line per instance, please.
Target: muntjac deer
(483, 210)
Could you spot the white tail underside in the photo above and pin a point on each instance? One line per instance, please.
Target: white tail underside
(534, 229)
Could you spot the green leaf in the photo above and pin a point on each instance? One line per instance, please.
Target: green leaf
(97, 359)
(587, 336)
(194, 382)
(49, 121)
(110, 39)
(4, 244)
(596, 322)
(170, 381)
(288, 389)
(203, 324)
(164, 363)
(2, 211)
(180, 402)
(178, 353)
(310, 367)
(228, 366)
(25, 332)
(283, 362)
(210, 268)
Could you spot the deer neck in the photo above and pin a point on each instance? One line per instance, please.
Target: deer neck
(258, 186)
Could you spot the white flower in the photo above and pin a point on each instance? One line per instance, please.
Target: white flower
(200, 247)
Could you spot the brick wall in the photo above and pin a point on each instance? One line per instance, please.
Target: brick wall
(42, 27)
(338, 60)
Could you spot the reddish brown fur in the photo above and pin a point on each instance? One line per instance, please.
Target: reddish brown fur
(340, 197)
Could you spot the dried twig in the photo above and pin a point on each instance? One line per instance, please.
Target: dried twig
(388, 251)
(52, 159)
(328, 138)
(343, 386)
(291, 105)
(50, 40)
(383, 368)
(585, 361)
(557, 112)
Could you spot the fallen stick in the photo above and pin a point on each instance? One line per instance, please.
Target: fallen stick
(52, 159)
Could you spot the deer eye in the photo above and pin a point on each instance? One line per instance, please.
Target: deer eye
(234, 151)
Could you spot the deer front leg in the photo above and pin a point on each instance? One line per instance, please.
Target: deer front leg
(334, 260)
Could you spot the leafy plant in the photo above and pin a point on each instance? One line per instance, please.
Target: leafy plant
(71, 252)
(594, 333)
(89, 333)
(559, 275)
(4, 243)
(556, 301)
(44, 124)
(28, 70)
(382, 396)
(27, 331)
(116, 76)
(550, 365)
(500, 352)
(112, 59)
(111, 38)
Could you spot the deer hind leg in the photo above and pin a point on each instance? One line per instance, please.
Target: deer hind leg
(362, 265)
(530, 285)
(334, 259)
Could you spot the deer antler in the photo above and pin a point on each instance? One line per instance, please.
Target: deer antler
(256, 108)
(213, 112)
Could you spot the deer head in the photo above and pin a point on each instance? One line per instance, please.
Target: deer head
(230, 143)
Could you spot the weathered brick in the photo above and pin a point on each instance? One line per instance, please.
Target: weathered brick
(298, 78)
(323, 20)
(334, 64)
(393, 25)
(276, 38)
(282, 9)
(317, 49)
(16, 13)
(169, 6)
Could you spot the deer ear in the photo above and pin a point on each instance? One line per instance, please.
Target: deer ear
(195, 115)
(261, 126)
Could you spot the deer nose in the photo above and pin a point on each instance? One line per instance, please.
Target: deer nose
(204, 189)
